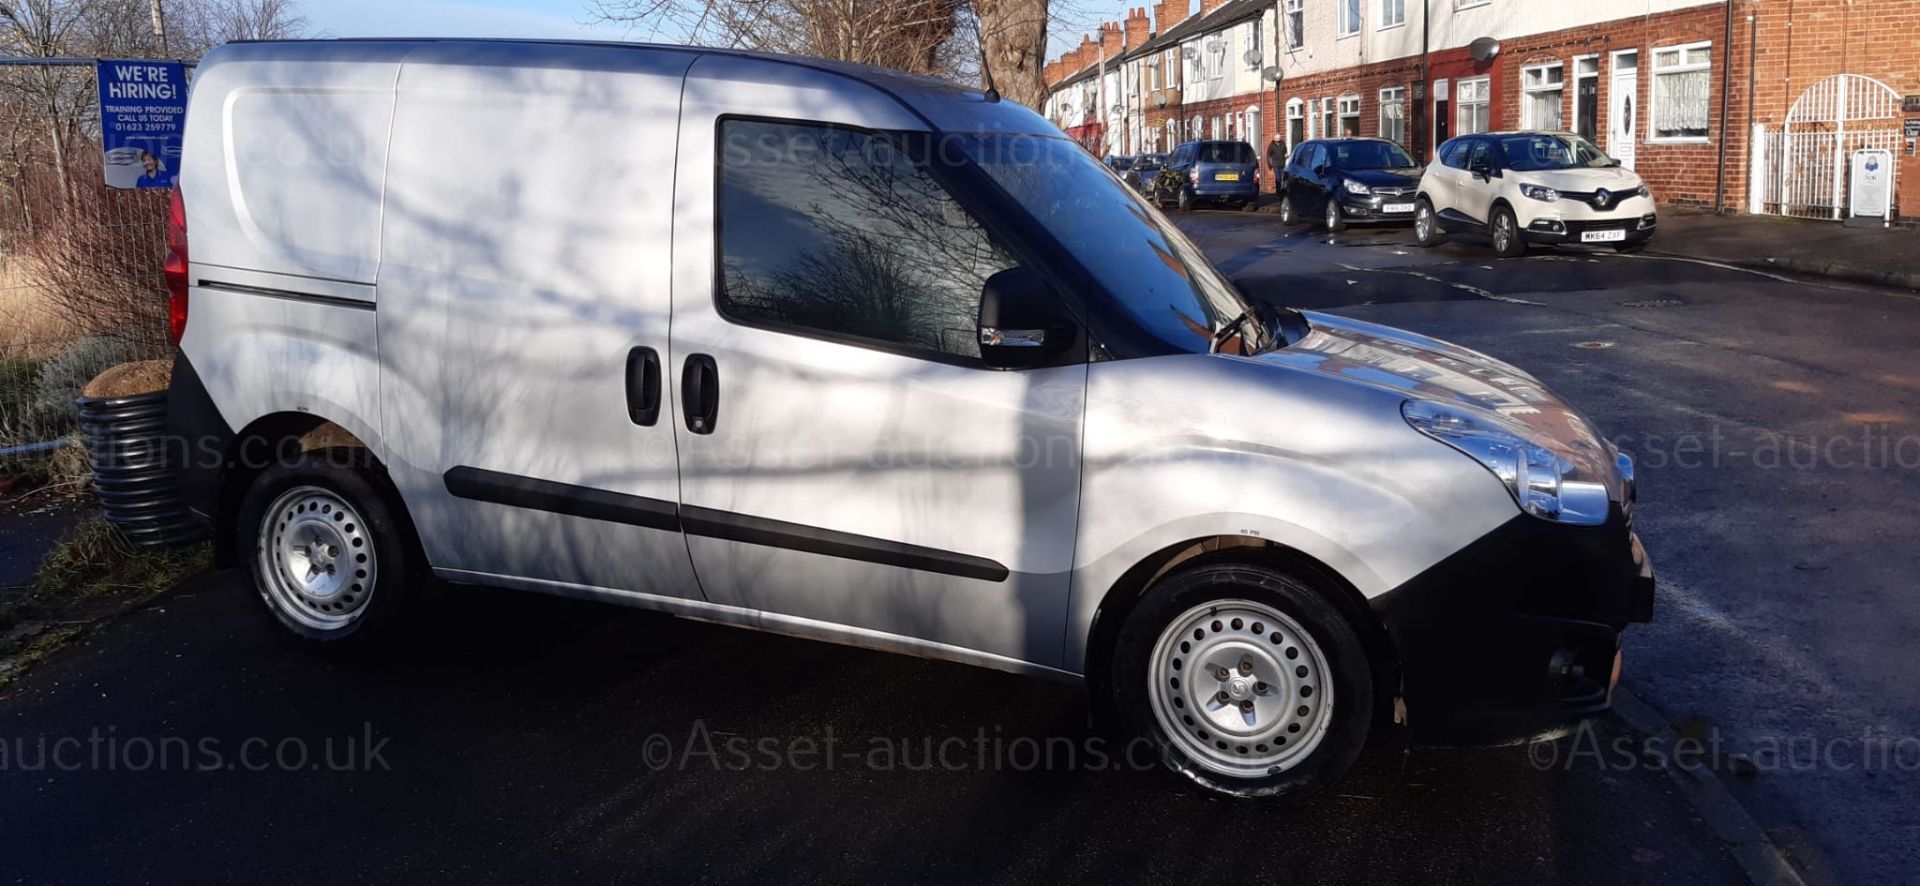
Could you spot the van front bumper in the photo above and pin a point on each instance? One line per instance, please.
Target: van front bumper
(1518, 634)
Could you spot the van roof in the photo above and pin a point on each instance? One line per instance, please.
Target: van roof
(919, 92)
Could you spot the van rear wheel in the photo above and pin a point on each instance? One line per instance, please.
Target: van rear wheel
(1247, 681)
(325, 549)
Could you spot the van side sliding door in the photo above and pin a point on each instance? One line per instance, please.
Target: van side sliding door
(524, 299)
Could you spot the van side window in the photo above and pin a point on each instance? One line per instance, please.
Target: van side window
(837, 231)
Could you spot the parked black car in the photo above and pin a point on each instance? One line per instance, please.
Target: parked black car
(1345, 181)
(1145, 167)
(1208, 171)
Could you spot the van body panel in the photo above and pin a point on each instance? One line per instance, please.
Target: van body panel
(527, 238)
(1272, 452)
(854, 441)
(257, 355)
(284, 157)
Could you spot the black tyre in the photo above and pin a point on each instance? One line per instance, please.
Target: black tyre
(1185, 200)
(1505, 230)
(1631, 248)
(1426, 225)
(1248, 682)
(1287, 216)
(1250, 205)
(1336, 217)
(327, 549)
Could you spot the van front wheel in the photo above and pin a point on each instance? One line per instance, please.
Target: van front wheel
(325, 548)
(1247, 681)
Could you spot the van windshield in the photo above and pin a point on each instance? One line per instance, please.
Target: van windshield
(1156, 273)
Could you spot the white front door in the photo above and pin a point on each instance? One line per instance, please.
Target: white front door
(1623, 107)
(845, 455)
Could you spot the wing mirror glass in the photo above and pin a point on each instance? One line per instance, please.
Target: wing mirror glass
(1021, 323)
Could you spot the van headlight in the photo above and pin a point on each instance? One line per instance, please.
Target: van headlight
(1543, 481)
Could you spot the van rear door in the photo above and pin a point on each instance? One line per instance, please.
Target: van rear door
(523, 306)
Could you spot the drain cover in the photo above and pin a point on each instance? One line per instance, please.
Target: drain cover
(1593, 345)
(1653, 303)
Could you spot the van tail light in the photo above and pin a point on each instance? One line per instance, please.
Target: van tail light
(176, 269)
(1193, 175)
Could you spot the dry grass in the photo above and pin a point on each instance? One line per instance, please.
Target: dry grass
(31, 322)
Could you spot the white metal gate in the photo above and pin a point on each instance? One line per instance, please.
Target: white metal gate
(1802, 169)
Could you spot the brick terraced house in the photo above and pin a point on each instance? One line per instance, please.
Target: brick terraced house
(1742, 105)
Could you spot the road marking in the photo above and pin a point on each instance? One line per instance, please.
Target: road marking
(1477, 291)
(1711, 264)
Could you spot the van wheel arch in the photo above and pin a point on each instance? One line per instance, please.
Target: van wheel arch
(269, 439)
(1120, 600)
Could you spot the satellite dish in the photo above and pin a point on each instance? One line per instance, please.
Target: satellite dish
(1159, 99)
(1252, 56)
(1484, 49)
(1272, 74)
(1190, 52)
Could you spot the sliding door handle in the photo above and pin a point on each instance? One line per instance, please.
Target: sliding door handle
(643, 386)
(700, 393)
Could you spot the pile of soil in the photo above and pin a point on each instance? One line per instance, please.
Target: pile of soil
(130, 379)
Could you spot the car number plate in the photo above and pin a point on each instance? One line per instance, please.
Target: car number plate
(1603, 236)
(1227, 177)
(1397, 207)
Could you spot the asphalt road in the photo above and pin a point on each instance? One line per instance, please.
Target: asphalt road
(516, 739)
(1775, 421)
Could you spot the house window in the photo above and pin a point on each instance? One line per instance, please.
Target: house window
(1326, 118)
(1296, 123)
(1393, 13)
(1349, 116)
(1216, 56)
(1474, 109)
(1682, 83)
(1469, 4)
(1254, 55)
(1586, 97)
(1544, 86)
(1393, 114)
(1296, 24)
(1349, 17)
(1153, 75)
(1169, 63)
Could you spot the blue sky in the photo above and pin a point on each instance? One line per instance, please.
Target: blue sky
(551, 18)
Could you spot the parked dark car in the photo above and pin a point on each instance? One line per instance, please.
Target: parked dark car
(1143, 170)
(1222, 172)
(1344, 181)
(1118, 163)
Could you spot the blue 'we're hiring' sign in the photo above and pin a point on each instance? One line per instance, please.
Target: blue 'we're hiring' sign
(143, 113)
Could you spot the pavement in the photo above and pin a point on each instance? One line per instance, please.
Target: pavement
(1776, 420)
(32, 528)
(1874, 256)
(523, 738)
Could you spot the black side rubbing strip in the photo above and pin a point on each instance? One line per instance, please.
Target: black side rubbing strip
(562, 498)
(288, 294)
(845, 545)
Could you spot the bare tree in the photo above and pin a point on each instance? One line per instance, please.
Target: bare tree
(941, 37)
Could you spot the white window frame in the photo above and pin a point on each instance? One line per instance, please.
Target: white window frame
(1393, 14)
(1214, 49)
(1351, 15)
(1655, 70)
(1392, 96)
(1294, 24)
(1348, 109)
(1328, 120)
(1296, 110)
(1529, 89)
(1460, 87)
(1470, 4)
(1252, 44)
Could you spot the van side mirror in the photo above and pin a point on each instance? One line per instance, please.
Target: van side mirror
(1021, 324)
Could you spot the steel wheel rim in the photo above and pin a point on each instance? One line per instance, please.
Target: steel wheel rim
(1269, 710)
(1423, 223)
(316, 559)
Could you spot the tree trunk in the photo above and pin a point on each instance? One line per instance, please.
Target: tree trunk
(1015, 36)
